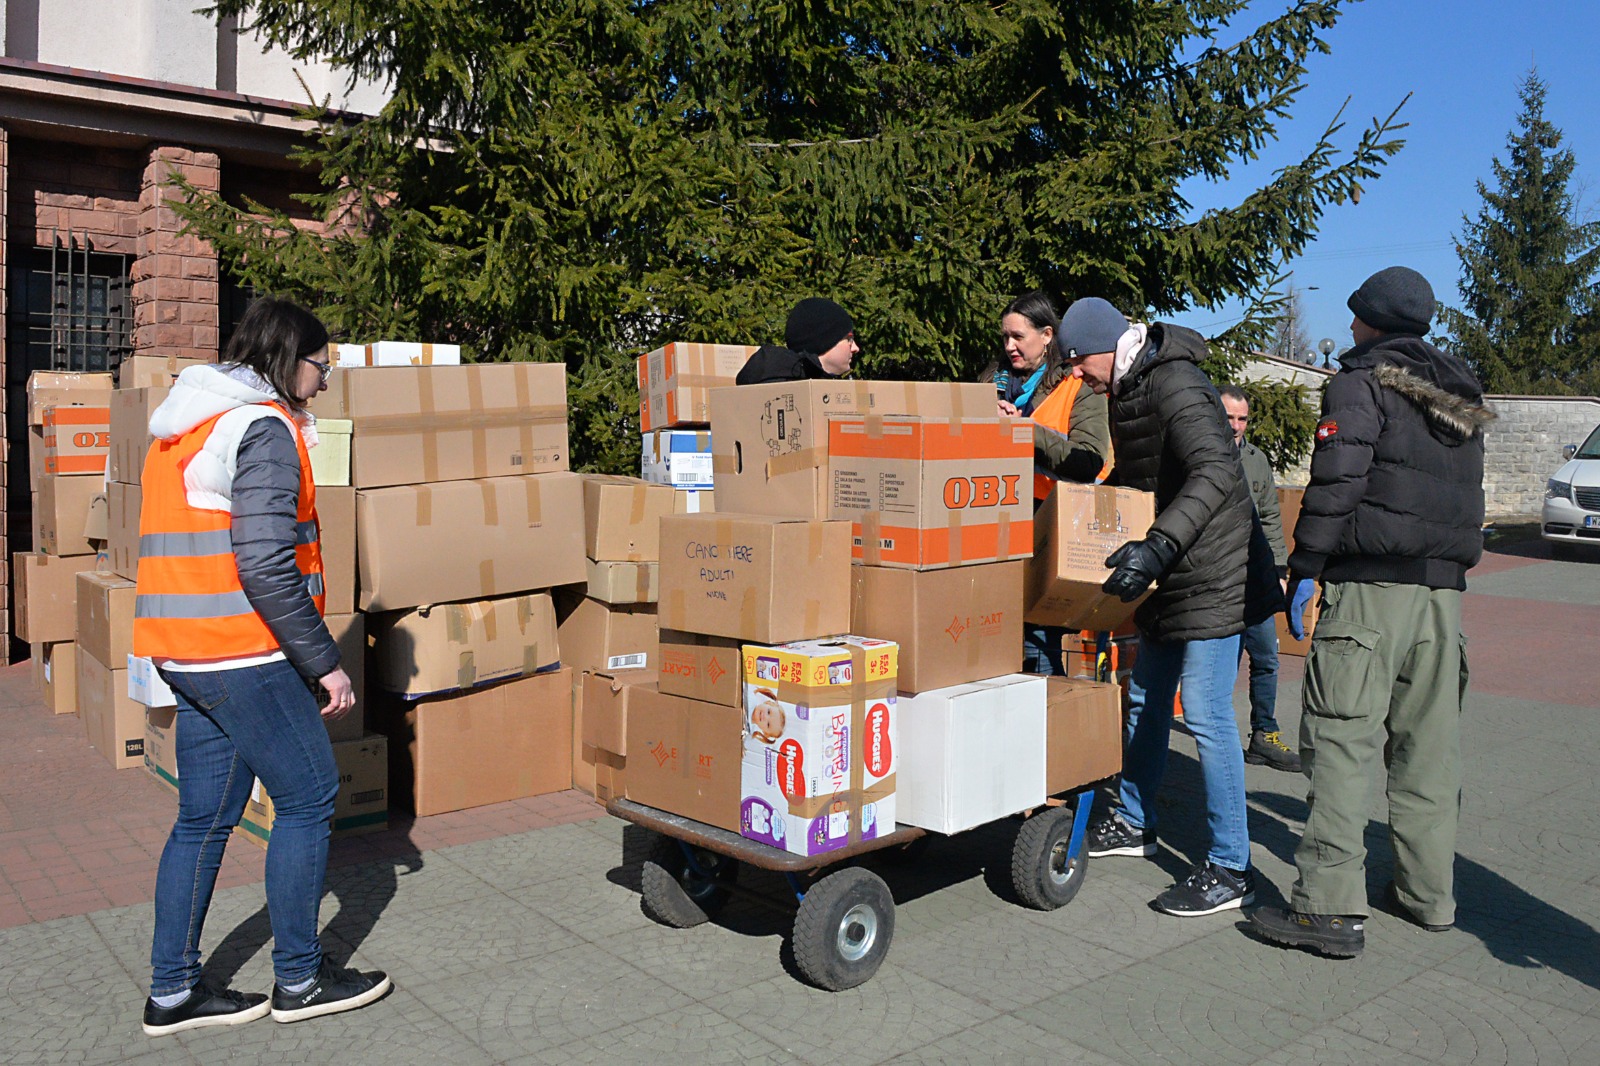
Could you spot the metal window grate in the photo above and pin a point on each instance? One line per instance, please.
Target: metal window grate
(71, 307)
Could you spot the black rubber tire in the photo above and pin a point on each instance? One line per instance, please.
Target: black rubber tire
(677, 896)
(1042, 875)
(843, 929)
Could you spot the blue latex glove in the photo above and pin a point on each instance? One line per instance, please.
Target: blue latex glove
(1301, 589)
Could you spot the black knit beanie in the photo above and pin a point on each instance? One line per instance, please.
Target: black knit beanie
(815, 325)
(1394, 300)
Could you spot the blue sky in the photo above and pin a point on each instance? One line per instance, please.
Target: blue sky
(1462, 61)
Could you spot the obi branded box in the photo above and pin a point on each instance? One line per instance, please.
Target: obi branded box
(153, 371)
(450, 646)
(971, 754)
(675, 381)
(1083, 733)
(680, 458)
(683, 757)
(1074, 531)
(63, 388)
(953, 626)
(702, 667)
(76, 439)
(130, 431)
(771, 441)
(460, 540)
(926, 493)
(820, 743)
(622, 518)
(425, 424)
(755, 577)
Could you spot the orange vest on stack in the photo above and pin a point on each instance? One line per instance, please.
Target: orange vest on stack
(188, 603)
(1056, 413)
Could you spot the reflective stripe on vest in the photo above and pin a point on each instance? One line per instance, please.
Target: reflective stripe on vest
(1055, 413)
(189, 603)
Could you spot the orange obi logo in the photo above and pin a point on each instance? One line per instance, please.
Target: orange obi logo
(985, 491)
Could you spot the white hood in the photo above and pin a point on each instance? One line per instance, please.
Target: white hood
(238, 394)
(1129, 345)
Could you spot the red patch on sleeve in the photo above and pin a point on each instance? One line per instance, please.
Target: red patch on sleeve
(1326, 429)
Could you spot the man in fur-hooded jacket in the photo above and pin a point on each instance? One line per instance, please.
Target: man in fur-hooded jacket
(1391, 522)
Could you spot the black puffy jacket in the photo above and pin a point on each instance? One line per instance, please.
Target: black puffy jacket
(1396, 489)
(1172, 438)
(773, 362)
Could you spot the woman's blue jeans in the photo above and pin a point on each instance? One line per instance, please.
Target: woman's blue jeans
(1207, 669)
(234, 726)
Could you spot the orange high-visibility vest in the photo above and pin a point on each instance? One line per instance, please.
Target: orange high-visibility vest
(188, 603)
(1056, 413)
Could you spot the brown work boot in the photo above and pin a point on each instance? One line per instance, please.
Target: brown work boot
(1268, 749)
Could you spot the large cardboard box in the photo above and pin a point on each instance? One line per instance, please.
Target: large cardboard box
(362, 805)
(153, 371)
(330, 459)
(468, 540)
(927, 493)
(1289, 501)
(1082, 732)
(622, 518)
(675, 381)
(76, 440)
(161, 746)
(59, 670)
(770, 442)
(620, 584)
(47, 596)
(451, 646)
(820, 744)
(487, 745)
(60, 510)
(755, 577)
(685, 758)
(123, 503)
(425, 424)
(702, 667)
(678, 458)
(349, 631)
(105, 618)
(953, 626)
(395, 353)
(112, 722)
(336, 518)
(606, 698)
(972, 754)
(1073, 533)
(130, 431)
(597, 771)
(604, 638)
(62, 388)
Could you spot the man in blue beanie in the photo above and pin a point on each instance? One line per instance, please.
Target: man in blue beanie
(819, 340)
(1391, 523)
(1212, 569)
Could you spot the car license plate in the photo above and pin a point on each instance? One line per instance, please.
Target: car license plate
(1591, 521)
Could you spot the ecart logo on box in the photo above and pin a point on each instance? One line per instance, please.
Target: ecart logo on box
(985, 491)
(957, 626)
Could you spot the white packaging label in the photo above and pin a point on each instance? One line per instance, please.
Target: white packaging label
(637, 661)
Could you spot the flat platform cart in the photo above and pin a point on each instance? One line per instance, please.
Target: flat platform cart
(844, 920)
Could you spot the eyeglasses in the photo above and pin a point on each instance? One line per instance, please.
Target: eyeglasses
(324, 369)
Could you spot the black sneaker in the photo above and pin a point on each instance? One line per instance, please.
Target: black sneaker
(1209, 888)
(1268, 749)
(1335, 935)
(204, 1007)
(1112, 836)
(1392, 904)
(333, 991)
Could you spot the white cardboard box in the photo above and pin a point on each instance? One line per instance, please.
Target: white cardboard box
(145, 685)
(678, 457)
(395, 353)
(971, 754)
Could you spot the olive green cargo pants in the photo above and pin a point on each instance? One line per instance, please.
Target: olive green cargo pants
(1385, 676)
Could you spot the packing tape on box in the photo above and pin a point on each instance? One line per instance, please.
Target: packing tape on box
(534, 500)
(642, 582)
(530, 659)
(524, 608)
(455, 622)
(700, 381)
(793, 462)
(486, 582)
(480, 436)
(446, 421)
(749, 610)
(872, 538)
(724, 463)
(525, 403)
(641, 495)
(953, 526)
(674, 607)
(467, 671)
(490, 618)
(1105, 508)
(873, 425)
(1003, 535)
(424, 494)
(958, 413)
(426, 411)
(491, 502)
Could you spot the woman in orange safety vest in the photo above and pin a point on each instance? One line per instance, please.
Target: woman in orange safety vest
(229, 607)
(1071, 432)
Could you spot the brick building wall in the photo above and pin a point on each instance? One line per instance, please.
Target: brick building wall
(175, 277)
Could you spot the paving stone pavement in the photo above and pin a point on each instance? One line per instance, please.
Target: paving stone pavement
(529, 946)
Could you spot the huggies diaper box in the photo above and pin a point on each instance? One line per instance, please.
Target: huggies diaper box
(818, 769)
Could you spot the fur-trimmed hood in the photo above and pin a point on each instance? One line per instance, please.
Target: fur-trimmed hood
(1443, 410)
(1439, 384)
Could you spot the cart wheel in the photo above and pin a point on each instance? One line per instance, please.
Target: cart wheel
(1043, 874)
(843, 929)
(675, 894)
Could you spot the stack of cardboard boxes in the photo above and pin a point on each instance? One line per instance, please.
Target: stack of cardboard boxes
(68, 442)
(675, 384)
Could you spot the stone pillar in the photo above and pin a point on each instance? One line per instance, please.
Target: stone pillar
(175, 276)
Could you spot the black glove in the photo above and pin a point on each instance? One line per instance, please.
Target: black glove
(1136, 564)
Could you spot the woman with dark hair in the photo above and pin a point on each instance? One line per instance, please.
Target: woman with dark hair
(229, 606)
(1071, 426)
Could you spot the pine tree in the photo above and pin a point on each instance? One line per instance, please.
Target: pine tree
(1531, 321)
(585, 181)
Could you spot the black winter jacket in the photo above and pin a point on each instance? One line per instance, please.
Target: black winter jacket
(1396, 489)
(773, 362)
(1172, 438)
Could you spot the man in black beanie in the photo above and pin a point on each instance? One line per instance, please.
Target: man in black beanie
(818, 341)
(1391, 523)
